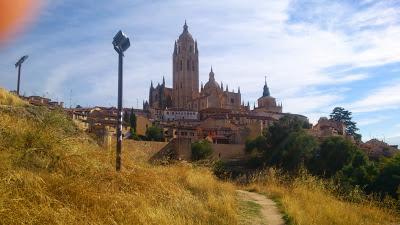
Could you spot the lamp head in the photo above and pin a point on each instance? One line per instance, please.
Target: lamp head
(121, 42)
(21, 60)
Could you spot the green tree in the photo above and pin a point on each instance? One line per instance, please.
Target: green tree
(359, 172)
(280, 130)
(259, 144)
(285, 144)
(125, 118)
(388, 180)
(133, 121)
(154, 133)
(333, 154)
(341, 115)
(201, 150)
(296, 151)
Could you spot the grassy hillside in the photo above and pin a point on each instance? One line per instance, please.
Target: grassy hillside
(311, 201)
(9, 99)
(51, 173)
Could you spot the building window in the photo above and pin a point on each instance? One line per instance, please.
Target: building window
(191, 48)
(232, 100)
(181, 65)
(193, 66)
(188, 64)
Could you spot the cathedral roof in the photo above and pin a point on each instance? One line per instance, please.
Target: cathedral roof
(185, 34)
(211, 83)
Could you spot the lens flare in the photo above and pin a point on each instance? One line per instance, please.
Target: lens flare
(15, 15)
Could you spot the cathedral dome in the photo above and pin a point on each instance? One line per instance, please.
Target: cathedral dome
(211, 84)
(185, 34)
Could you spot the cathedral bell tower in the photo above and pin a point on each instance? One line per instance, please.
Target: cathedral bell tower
(185, 70)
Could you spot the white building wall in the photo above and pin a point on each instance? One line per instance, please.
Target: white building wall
(171, 115)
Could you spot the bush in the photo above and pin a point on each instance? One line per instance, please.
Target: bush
(201, 150)
(334, 153)
(154, 133)
(388, 180)
(220, 170)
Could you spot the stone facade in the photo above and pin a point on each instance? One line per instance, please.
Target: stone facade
(212, 95)
(326, 128)
(160, 97)
(266, 103)
(185, 70)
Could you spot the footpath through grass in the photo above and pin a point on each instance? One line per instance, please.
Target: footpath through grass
(307, 201)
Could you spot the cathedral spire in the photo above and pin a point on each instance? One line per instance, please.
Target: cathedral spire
(266, 89)
(226, 89)
(185, 27)
(163, 80)
(201, 88)
(211, 75)
(151, 85)
(239, 90)
(222, 86)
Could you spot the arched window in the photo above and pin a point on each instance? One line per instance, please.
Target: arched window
(192, 66)
(188, 64)
(181, 65)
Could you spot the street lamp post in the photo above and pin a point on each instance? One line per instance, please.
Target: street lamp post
(18, 64)
(121, 44)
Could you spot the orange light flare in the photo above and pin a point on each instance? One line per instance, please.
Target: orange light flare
(16, 16)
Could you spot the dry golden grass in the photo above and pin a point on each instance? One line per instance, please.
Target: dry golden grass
(51, 173)
(6, 98)
(307, 201)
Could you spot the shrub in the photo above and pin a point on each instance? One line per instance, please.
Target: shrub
(154, 133)
(334, 153)
(388, 180)
(201, 150)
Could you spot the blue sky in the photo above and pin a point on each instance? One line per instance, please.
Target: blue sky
(316, 54)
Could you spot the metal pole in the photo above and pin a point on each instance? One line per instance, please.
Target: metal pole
(19, 78)
(119, 124)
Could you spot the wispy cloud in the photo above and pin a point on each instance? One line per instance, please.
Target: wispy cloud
(309, 50)
(382, 98)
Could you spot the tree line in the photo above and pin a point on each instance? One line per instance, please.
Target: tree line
(287, 145)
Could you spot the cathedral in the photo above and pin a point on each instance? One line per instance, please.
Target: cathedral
(185, 93)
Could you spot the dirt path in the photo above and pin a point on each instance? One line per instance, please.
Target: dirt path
(269, 212)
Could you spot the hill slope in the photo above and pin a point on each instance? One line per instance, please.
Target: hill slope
(51, 173)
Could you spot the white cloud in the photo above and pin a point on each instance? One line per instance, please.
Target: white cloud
(383, 98)
(395, 140)
(371, 120)
(293, 44)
